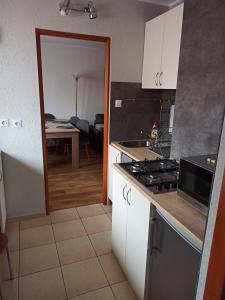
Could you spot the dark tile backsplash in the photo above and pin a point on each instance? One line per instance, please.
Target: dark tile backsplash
(140, 108)
(200, 100)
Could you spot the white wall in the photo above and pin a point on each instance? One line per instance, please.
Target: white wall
(60, 61)
(212, 216)
(123, 21)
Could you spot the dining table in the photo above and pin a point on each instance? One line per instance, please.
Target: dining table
(62, 129)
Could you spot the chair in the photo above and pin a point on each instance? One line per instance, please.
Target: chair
(74, 120)
(3, 247)
(83, 126)
(49, 117)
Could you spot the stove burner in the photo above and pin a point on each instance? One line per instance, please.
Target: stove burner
(157, 175)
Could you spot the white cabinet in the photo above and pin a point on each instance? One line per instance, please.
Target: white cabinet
(114, 156)
(162, 50)
(152, 52)
(130, 231)
(2, 199)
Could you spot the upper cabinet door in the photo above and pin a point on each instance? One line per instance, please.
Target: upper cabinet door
(171, 48)
(153, 52)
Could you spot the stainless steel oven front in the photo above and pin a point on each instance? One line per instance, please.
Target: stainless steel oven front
(196, 176)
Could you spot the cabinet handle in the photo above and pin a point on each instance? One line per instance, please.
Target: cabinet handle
(160, 82)
(117, 157)
(124, 192)
(152, 238)
(128, 195)
(1, 176)
(156, 78)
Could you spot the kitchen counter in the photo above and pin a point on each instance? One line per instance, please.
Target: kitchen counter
(175, 208)
(140, 153)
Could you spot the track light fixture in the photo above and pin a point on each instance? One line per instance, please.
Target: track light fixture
(65, 8)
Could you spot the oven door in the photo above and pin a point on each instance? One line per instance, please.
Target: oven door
(195, 182)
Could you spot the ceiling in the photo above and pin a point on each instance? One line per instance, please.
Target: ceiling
(167, 3)
(73, 42)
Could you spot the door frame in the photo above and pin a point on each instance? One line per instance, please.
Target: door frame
(215, 280)
(107, 44)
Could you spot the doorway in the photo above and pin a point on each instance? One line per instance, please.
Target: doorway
(105, 41)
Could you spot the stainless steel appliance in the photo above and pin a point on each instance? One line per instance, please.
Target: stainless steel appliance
(173, 261)
(158, 176)
(195, 180)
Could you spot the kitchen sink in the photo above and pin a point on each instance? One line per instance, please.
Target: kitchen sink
(135, 144)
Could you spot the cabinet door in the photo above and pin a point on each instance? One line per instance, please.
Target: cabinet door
(171, 47)
(119, 217)
(138, 216)
(152, 52)
(2, 200)
(114, 156)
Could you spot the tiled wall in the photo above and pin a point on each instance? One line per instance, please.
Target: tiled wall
(140, 108)
(200, 93)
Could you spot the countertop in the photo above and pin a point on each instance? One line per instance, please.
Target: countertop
(175, 208)
(140, 153)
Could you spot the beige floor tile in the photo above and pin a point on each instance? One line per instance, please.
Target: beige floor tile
(12, 226)
(4, 266)
(90, 210)
(97, 224)
(68, 230)
(13, 240)
(10, 289)
(123, 291)
(107, 208)
(75, 250)
(102, 294)
(35, 222)
(38, 259)
(83, 277)
(111, 268)
(101, 242)
(46, 285)
(37, 236)
(64, 215)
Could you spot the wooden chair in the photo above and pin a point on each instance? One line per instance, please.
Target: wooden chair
(4, 247)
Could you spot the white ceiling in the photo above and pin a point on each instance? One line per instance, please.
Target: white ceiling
(73, 42)
(167, 3)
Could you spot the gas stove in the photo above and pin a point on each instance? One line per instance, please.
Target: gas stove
(159, 176)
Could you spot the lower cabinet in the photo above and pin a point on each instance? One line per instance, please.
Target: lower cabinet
(114, 156)
(130, 231)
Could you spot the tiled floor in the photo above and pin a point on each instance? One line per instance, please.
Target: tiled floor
(66, 255)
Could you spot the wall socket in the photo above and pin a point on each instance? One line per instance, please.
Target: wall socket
(17, 123)
(4, 123)
(118, 103)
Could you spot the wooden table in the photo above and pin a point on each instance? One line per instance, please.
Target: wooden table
(52, 132)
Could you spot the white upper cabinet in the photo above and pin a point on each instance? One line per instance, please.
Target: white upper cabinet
(152, 52)
(171, 47)
(162, 50)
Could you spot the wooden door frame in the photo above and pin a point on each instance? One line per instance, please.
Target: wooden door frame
(215, 280)
(107, 43)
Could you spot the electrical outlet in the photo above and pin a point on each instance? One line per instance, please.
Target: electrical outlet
(4, 123)
(17, 123)
(118, 103)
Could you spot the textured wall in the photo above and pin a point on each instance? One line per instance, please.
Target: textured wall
(200, 93)
(140, 108)
(60, 61)
(19, 96)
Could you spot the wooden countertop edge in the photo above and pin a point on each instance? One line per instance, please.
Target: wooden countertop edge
(198, 241)
(129, 152)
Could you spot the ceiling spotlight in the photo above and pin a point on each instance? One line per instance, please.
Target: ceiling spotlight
(65, 8)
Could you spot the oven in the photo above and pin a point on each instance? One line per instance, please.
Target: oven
(196, 176)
